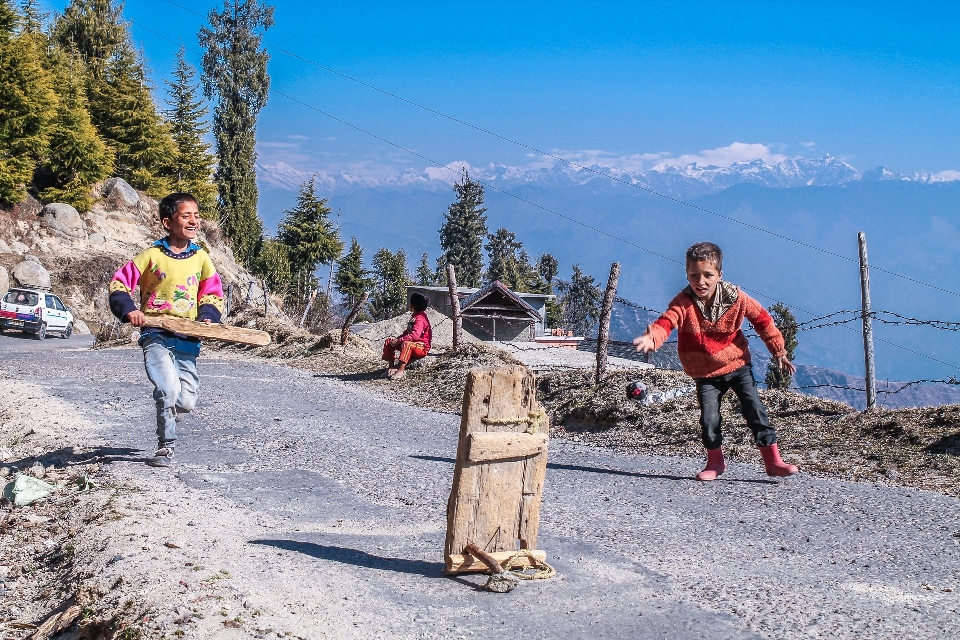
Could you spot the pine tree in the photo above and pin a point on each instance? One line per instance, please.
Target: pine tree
(776, 377)
(76, 156)
(192, 166)
(235, 75)
(580, 301)
(464, 228)
(502, 251)
(391, 279)
(92, 28)
(273, 265)
(123, 110)
(351, 279)
(26, 104)
(32, 16)
(308, 232)
(425, 275)
(548, 267)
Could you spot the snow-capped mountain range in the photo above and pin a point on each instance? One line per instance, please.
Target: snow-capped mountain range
(689, 181)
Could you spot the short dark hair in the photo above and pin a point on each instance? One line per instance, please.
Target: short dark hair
(419, 302)
(705, 252)
(171, 204)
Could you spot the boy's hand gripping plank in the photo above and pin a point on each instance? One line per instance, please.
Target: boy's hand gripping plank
(212, 330)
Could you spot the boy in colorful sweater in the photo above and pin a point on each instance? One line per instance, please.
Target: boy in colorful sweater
(714, 352)
(414, 343)
(176, 278)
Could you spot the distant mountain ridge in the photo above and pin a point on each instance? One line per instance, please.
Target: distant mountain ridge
(687, 181)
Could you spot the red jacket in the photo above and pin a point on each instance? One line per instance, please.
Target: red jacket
(708, 349)
(418, 330)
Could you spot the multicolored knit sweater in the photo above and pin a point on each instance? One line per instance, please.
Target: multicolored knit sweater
(183, 285)
(709, 349)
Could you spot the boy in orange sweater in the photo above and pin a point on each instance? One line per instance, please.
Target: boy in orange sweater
(708, 315)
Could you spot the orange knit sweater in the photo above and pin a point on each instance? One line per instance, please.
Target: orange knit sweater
(708, 349)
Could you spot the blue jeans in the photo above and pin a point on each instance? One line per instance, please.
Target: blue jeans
(171, 365)
(709, 394)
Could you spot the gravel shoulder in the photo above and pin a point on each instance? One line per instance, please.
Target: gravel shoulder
(307, 506)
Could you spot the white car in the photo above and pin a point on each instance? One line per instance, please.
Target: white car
(36, 311)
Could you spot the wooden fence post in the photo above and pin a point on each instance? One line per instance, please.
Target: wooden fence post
(867, 316)
(313, 294)
(603, 332)
(228, 303)
(353, 316)
(454, 306)
(266, 298)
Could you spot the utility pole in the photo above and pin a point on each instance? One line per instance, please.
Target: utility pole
(867, 316)
(603, 332)
(455, 308)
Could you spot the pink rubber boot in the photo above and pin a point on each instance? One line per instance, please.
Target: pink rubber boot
(775, 466)
(715, 465)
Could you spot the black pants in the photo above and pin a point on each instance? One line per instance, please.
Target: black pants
(710, 392)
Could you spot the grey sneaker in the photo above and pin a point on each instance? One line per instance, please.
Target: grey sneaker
(162, 458)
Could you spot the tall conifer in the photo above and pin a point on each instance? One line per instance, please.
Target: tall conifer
(76, 156)
(464, 228)
(235, 76)
(391, 278)
(351, 279)
(192, 166)
(26, 104)
(310, 235)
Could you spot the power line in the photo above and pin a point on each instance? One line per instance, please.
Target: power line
(580, 167)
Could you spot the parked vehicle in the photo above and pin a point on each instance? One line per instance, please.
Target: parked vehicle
(35, 310)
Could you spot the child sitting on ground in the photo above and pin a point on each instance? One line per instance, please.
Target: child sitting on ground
(414, 343)
(708, 315)
(176, 278)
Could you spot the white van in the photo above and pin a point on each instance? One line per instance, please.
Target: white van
(36, 311)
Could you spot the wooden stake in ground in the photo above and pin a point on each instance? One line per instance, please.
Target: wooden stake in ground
(867, 316)
(266, 298)
(212, 330)
(353, 316)
(303, 318)
(454, 306)
(603, 333)
(501, 465)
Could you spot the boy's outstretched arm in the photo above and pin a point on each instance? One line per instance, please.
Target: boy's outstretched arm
(766, 328)
(658, 332)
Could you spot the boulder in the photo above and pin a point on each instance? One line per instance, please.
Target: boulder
(64, 214)
(4, 281)
(119, 193)
(4, 247)
(19, 248)
(80, 327)
(96, 239)
(31, 274)
(29, 207)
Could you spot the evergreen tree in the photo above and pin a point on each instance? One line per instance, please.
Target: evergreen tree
(425, 275)
(580, 301)
(548, 267)
(32, 16)
(502, 251)
(92, 28)
(123, 110)
(464, 228)
(777, 378)
(192, 166)
(308, 232)
(235, 75)
(391, 279)
(273, 265)
(26, 104)
(351, 279)
(76, 157)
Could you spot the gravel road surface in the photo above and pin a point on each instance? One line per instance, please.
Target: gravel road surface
(346, 494)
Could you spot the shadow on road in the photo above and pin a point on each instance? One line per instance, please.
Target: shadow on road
(357, 558)
(65, 457)
(353, 377)
(615, 472)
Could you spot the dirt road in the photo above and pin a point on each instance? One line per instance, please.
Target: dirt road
(316, 510)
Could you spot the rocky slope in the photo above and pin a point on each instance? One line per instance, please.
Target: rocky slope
(77, 253)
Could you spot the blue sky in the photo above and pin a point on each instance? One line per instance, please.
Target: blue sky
(871, 83)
